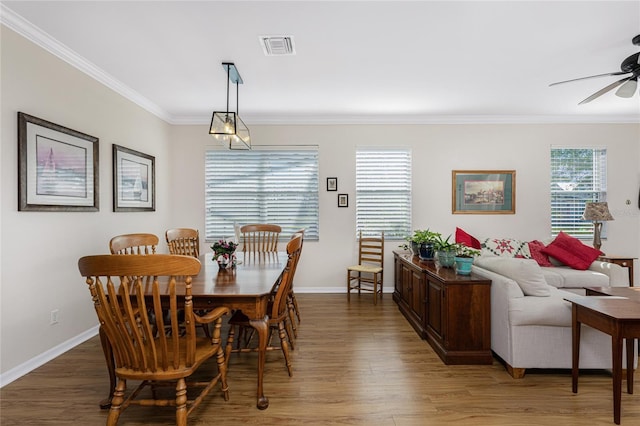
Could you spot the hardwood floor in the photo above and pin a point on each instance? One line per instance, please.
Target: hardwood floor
(354, 364)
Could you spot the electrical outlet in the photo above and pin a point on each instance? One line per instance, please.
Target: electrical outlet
(54, 316)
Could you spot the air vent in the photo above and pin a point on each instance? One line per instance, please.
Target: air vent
(277, 45)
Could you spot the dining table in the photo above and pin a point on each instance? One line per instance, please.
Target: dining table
(246, 287)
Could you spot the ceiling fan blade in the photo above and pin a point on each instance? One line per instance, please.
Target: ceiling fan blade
(591, 76)
(605, 90)
(628, 88)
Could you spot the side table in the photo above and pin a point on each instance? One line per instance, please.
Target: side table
(625, 262)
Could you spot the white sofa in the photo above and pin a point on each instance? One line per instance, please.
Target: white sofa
(530, 331)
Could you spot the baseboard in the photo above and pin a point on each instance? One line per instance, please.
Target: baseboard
(41, 359)
(341, 289)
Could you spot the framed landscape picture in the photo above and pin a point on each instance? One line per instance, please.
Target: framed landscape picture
(134, 180)
(483, 192)
(57, 167)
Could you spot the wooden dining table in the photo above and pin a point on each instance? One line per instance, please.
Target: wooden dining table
(247, 287)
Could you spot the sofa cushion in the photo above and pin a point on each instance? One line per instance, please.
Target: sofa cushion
(552, 310)
(563, 276)
(525, 272)
(506, 247)
(535, 248)
(468, 240)
(571, 251)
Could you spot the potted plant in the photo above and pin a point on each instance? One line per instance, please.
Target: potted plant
(426, 240)
(464, 259)
(445, 251)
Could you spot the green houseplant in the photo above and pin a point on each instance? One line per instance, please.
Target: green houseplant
(445, 251)
(464, 259)
(425, 239)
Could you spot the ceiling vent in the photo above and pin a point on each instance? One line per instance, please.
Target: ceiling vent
(277, 45)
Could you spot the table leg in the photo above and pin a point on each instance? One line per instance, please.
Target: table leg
(616, 352)
(575, 348)
(262, 327)
(630, 344)
(108, 356)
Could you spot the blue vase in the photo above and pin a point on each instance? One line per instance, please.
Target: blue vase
(463, 265)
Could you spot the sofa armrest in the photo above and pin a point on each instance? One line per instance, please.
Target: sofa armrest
(618, 276)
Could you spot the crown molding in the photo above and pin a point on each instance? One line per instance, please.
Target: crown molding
(34, 34)
(17, 23)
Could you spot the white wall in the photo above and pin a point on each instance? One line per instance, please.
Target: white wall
(40, 250)
(437, 150)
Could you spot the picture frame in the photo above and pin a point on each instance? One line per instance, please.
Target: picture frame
(58, 167)
(483, 192)
(343, 200)
(134, 181)
(332, 184)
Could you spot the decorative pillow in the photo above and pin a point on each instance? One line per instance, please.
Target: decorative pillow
(466, 239)
(535, 248)
(506, 247)
(571, 251)
(525, 272)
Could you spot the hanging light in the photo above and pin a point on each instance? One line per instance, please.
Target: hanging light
(227, 126)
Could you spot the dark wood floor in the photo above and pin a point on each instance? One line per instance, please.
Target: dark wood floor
(354, 364)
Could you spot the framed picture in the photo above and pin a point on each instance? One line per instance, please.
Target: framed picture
(57, 167)
(134, 180)
(483, 192)
(343, 200)
(332, 184)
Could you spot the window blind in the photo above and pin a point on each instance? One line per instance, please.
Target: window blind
(383, 192)
(261, 186)
(578, 176)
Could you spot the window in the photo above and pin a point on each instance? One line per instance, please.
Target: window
(383, 192)
(261, 186)
(578, 175)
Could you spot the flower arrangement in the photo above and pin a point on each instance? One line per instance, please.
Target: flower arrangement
(224, 252)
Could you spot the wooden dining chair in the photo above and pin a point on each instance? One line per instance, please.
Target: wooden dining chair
(260, 238)
(127, 316)
(278, 311)
(134, 244)
(185, 241)
(292, 302)
(367, 275)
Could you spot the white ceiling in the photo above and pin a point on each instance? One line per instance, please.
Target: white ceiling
(356, 61)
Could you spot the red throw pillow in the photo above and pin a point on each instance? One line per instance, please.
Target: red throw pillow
(571, 251)
(535, 248)
(466, 239)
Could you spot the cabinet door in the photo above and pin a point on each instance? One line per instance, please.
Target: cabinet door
(435, 309)
(417, 294)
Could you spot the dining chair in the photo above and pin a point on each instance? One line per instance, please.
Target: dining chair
(278, 312)
(184, 241)
(134, 244)
(367, 275)
(292, 302)
(260, 238)
(118, 287)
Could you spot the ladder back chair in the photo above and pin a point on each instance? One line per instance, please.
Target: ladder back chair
(278, 311)
(185, 241)
(134, 244)
(260, 238)
(367, 275)
(128, 294)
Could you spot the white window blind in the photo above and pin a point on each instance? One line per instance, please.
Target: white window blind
(383, 192)
(261, 186)
(578, 175)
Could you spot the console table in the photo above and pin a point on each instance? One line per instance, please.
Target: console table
(452, 312)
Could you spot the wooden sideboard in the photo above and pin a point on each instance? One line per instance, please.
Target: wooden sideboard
(452, 312)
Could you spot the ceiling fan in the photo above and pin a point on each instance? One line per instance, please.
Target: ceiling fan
(628, 84)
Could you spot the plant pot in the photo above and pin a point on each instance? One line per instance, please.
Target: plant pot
(446, 258)
(426, 251)
(415, 248)
(463, 265)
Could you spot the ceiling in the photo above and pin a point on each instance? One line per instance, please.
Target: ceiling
(355, 61)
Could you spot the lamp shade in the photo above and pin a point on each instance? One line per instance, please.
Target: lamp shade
(229, 129)
(597, 212)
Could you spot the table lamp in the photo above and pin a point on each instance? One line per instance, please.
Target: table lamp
(597, 212)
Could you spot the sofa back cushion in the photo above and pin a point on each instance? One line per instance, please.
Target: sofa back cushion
(571, 251)
(506, 247)
(525, 272)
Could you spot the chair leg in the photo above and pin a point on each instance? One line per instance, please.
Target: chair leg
(348, 286)
(116, 402)
(291, 310)
(285, 347)
(295, 306)
(288, 329)
(181, 403)
(375, 289)
(222, 368)
(229, 346)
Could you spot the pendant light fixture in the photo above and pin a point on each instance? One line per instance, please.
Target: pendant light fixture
(226, 126)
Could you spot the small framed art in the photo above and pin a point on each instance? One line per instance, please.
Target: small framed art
(332, 184)
(343, 200)
(57, 167)
(483, 192)
(134, 180)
